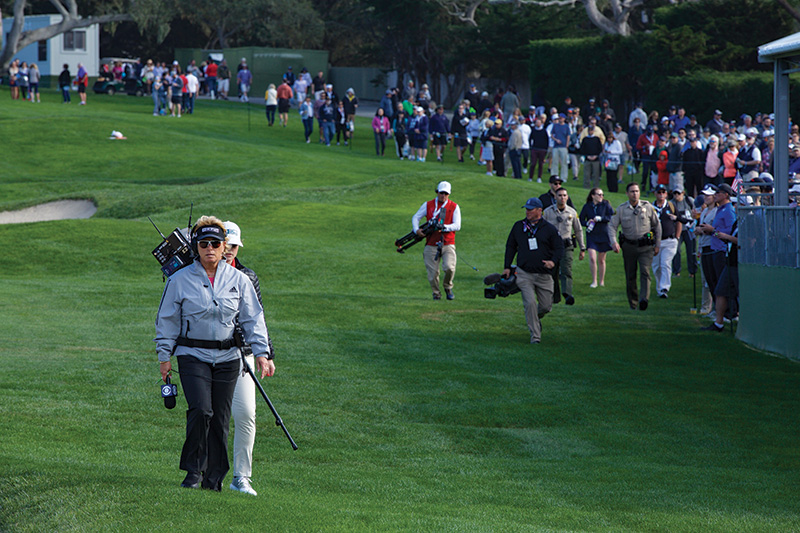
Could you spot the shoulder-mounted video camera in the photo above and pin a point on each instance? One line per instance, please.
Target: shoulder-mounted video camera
(500, 286)
(175, 251)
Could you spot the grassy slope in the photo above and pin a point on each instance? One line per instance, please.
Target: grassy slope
(410, 414)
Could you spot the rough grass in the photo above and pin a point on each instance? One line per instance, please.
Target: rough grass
(411, 415)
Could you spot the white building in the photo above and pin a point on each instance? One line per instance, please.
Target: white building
(81, 45)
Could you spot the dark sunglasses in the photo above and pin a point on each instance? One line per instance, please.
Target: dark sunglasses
(214, 244)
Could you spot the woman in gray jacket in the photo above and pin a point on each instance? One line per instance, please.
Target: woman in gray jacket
(195, 322)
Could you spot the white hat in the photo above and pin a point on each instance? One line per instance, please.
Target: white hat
(795, 189)
(234, 233)
(444, 186)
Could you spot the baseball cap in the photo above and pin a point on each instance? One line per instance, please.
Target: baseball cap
(660, 187)
(556, 178)
(795, 189)
(674, 134)
(444, 186)
(234, 233)
(533, 203)
(562, 115)
(699, 201)
(726, 189)
(677, 189)
(717, 112)
(709, 189)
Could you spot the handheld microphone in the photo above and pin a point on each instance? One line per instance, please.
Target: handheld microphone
(169, 391)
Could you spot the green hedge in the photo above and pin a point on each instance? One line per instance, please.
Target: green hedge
(630, 69)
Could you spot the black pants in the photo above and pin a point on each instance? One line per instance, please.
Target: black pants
(209, 393)
(635, 258)
(611, 180)
(499, 160)
(693, 183)
(690, 241)
(647, 168)
(713, 263)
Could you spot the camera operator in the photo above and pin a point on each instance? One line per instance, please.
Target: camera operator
(566, 221)
(195, 322)
(640, 240)
(538, 248)
(244, 397)
(440, 246)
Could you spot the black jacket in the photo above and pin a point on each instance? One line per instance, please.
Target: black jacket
(550, 246)
(64, 79)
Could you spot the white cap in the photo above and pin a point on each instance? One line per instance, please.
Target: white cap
(795, 189)
(234, 233)
(444, 186)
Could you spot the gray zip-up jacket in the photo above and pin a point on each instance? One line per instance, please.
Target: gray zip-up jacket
(191, 307)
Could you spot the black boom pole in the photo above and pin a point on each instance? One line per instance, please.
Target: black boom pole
(278, 421)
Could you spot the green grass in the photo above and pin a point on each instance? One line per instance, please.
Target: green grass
(411, 415)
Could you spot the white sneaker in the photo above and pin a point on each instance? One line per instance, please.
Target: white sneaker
(538, 180)
(242, 484)
(593, 286)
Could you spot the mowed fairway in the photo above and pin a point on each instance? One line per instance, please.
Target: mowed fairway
(410, 414)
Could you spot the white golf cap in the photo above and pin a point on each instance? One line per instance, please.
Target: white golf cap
(444, 186)
(234, 233)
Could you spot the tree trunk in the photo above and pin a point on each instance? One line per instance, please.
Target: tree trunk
(17, 39)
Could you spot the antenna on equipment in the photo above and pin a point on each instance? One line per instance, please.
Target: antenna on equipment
(189, 226)
(158, 230)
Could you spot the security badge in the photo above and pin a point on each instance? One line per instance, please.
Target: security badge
(532, 244)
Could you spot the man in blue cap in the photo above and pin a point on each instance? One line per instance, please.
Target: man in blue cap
(538, 248)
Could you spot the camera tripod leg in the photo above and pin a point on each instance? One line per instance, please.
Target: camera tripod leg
(278, 421)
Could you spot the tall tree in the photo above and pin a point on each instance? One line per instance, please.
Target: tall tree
(613, 16)
(70, 20)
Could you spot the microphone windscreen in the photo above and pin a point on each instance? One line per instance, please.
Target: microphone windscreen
(169, 402)
(491, 279)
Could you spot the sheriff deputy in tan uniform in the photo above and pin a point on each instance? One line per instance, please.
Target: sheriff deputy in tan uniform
(565, 219)
(640, 241)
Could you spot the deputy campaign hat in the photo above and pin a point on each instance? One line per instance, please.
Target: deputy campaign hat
(234, 233)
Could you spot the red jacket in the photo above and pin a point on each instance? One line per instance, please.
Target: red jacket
(446, 215)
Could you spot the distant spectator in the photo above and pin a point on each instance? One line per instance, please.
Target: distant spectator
(306, 115)
(83, 83)
(271, 102)
(211, 77)
(284, 94)
(381, 127)
(64, 83)
(223, 79)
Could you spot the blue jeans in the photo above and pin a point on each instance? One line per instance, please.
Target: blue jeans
(329, 128)
(65, 93)
(308, 125)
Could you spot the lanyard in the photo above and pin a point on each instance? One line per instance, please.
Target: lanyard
(529, 229)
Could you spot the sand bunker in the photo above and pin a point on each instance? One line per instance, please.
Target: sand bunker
(59, 210)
